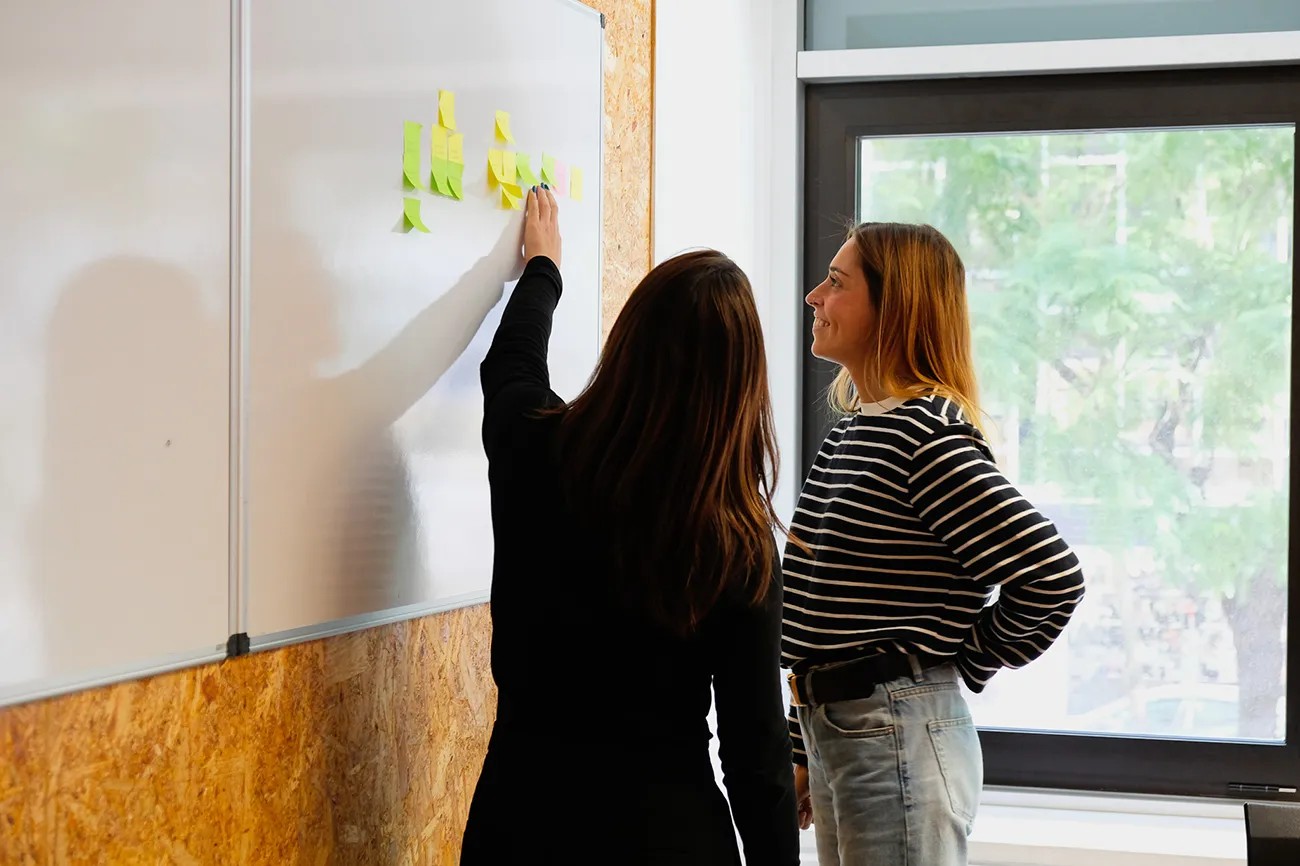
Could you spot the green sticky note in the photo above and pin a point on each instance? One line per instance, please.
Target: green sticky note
(411, 213)
(411, 155)
(440, 177)
(548, 169)
(456, 181)
(523, 165)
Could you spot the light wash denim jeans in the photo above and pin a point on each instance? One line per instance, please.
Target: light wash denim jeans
(895, 778)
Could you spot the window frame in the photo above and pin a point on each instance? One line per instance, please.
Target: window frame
(836, 116)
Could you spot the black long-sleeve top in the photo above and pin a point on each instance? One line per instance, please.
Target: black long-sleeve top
(599, 685)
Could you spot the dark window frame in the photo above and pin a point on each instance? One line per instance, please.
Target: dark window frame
(837, 116)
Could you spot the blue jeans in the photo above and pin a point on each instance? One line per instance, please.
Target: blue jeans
(895, 778)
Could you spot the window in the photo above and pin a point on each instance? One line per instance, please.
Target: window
(1128, 240)
(831, 24)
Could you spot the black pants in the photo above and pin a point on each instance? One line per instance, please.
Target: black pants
(534, 805)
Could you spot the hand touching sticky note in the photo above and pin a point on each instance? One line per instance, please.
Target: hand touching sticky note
(447, 109)
(503, 128)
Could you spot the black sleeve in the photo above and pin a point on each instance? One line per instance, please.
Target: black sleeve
(753, 741)
(514, 373)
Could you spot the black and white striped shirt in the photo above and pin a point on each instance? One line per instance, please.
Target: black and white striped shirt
(911, 528)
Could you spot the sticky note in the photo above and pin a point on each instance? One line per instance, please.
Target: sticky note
(456, 149)
(524, 166)
(548, 169)
(503, 128)
(441, 177)
(509, 174)
(447, 109)
(561, 183)
(494, 167)
(411, 215)
(438, 143)
(509, 200)
(456, 181)
(575, 184)
(411, 155)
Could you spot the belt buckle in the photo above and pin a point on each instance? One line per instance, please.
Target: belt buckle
(795, 698)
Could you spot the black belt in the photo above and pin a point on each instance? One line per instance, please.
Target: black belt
(853, 680)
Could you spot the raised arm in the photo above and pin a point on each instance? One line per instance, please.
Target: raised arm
(514, 374)
(1001, 540)
(753, 742)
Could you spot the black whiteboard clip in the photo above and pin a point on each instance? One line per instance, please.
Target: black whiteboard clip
(602, 21)
(237, 645)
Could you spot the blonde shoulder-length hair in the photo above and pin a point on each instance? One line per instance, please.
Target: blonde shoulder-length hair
(917, 284)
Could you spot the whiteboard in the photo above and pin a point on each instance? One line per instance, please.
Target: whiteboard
(114, 340)
(364, 496)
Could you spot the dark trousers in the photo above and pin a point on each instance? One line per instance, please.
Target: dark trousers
(537, 804)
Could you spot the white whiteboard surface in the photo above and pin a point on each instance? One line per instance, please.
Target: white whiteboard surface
(365, 493)
(114, 339)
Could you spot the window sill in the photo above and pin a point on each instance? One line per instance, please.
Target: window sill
(1029, 828)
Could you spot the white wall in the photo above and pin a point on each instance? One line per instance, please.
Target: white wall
(727, 169)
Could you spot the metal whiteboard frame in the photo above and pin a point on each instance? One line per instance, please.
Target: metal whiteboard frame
(240, 642)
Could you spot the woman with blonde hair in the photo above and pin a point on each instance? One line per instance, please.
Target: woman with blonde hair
(909, 529)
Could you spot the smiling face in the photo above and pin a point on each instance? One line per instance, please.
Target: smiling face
(844, 317)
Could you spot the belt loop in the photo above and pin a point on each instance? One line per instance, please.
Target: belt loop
(918, 673)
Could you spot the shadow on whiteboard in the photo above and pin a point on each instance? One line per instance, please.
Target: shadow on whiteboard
(126, 483)
(361, 456)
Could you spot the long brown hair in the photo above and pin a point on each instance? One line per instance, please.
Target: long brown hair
(917, 284)
(671, 446)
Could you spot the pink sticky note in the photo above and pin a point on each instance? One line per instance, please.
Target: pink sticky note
(561, 179)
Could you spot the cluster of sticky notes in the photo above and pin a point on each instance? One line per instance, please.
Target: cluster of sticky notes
(509, 172)
(447, 161)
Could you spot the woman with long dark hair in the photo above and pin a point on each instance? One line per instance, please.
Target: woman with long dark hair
(635, 568)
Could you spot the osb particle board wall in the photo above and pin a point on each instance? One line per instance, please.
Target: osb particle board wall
(357, 749)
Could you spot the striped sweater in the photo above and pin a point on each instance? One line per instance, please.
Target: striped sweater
(912, 528)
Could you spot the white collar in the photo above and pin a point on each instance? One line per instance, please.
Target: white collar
(880, 407)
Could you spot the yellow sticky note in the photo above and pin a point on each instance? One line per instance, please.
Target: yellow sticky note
(456, 149)
(411, 215)
(524, 166)
(411, 155)
(438, 142)
(508, 167)
(494, 167)
(503, 128)
(548, 169)
(575, 184)
(447, 109)
(510, 201)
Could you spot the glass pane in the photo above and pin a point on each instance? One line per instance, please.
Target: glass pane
(1130, 298)
(834, 24)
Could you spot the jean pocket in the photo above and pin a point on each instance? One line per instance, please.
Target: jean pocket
(858, 719)
(957, 748)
